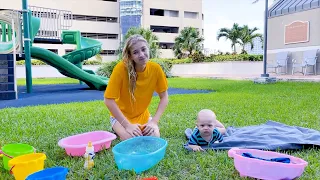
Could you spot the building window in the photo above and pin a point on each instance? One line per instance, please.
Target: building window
(112, 19)
(162, 12)
(68, 50)
(191, 15)
(164, 29)
(99, 35)
(108, 52)
(93, 18)
(54, 50)
(165, 45)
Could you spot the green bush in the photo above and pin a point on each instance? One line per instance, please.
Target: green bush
(36, 62)
(197, 57)
(106, 68)
(236, 57)
(92, 62)
(33, 62)
(166, 66)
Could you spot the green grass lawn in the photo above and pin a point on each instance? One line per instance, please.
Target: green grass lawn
(236, 103)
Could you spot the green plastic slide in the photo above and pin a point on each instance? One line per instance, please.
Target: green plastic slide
(68, 69)
(70, 64)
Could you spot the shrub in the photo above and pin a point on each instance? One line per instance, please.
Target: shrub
(92, 62)
(107, 68)
(238, 57)
(197, 57)
(36, 62)
(182, 61)
(33, 62)
(166, 66)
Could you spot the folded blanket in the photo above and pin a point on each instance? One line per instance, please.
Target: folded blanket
(280, 159)
(269, 136)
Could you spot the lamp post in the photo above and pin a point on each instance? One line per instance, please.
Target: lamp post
(266, 11)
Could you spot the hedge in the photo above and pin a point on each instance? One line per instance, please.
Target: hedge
(38, 62)
(107, 68)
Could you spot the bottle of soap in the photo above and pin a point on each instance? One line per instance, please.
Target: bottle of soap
(89, 156)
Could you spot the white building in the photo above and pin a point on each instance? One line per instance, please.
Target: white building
(257, 47)
(166, 18)
(93, 18)
(100, 19)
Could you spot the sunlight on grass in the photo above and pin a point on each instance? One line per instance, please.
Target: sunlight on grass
(21, 82)
(237, 103)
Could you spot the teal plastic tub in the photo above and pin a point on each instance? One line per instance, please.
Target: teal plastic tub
(139, 153)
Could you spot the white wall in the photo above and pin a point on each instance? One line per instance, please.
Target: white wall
(218, 68)
(194, 69)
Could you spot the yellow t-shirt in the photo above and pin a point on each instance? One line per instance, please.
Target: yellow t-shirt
(150, 80)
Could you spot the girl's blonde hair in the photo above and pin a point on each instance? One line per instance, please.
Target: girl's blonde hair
(130, 64)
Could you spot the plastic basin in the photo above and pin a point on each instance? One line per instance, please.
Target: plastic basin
(139, 153)
(14, 150)
(268, 170)
(76, 145)
(55, 173)
(23, 166)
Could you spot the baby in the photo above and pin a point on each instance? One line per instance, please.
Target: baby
(208, 130)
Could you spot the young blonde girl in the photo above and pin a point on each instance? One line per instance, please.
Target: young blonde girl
(130, 90)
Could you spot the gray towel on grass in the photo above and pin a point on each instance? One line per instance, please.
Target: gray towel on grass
(269, 136)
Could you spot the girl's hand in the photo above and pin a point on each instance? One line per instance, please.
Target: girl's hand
(149, 128)
(195, 147)
(133, 130)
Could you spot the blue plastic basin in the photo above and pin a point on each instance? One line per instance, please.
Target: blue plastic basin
(139, 153)
(56, 173)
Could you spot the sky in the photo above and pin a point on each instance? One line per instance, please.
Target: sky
(223, 13)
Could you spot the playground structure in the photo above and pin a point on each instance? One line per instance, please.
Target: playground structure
(43, 24)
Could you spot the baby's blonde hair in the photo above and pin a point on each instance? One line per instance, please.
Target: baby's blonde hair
(132, 74)
(207, 113)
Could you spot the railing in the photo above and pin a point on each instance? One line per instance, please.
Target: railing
(52, 22)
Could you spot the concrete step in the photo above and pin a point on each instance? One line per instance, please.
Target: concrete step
(6, 63)
(8, 95)
(6, 78)
(6, 87)
(6, 71)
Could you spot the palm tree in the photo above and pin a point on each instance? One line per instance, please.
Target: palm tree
(232, 34)
(152, 40)
(189, 41)
(248, 35)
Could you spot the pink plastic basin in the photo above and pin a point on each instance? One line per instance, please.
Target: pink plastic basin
(76, 145)
(268, 170)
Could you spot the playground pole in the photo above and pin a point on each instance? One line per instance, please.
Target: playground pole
(26, 32)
